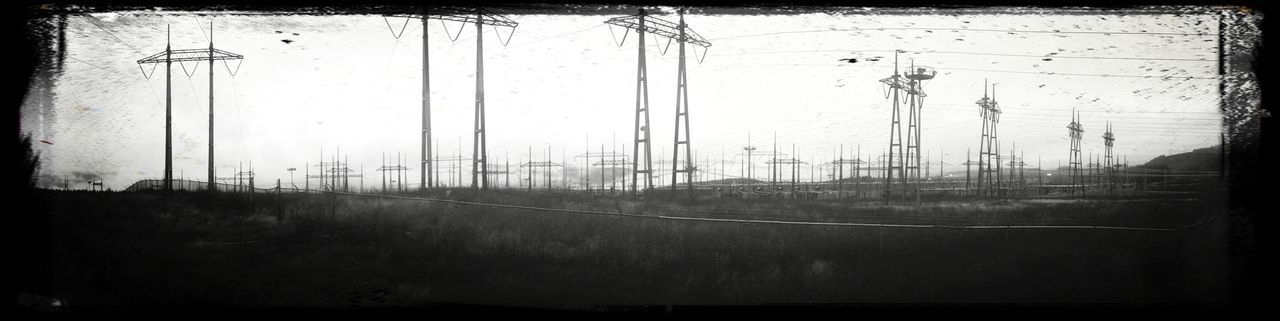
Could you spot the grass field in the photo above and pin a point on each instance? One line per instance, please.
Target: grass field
(142, 249)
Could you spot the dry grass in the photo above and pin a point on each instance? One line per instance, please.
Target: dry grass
(324, 250)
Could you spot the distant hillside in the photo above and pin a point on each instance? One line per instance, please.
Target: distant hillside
(1202, 159)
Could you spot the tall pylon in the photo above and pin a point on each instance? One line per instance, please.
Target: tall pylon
(168, 57)
(1076, 131)
(682, 109)
(643, 23)
(1109, 139)
(894, 84)
(990, 111)
(916, 76)
(480, 17)
(642, 134)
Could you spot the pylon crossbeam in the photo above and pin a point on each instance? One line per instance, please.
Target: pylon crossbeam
(660, 27)
(190, 55)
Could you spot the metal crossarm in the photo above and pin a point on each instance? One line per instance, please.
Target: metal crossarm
(659, 27)
(540, 164)
(463, 15)
(190, 55)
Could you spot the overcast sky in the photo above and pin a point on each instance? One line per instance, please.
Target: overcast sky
(309, 82)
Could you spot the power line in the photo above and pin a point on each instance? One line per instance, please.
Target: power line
(1047, 73)
(202, 32)
(1108, 33)
(1050, 55)
(593, 27)
(1066, 109)
(1043, 73)
(1042, 116)
(1054, 56)
(99, 67)
(90, 20)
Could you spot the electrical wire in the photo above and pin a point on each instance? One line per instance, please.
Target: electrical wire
(113, 35)
(1057, 32)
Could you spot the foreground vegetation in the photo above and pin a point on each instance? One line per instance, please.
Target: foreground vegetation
(141, 249)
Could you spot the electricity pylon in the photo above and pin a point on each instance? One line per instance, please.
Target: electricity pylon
(682, 108)
(1076, 132)
(916, 76)
(1110, 139)
(168, 56)
(895, 84)
(680, 32)
(990, 111)
(479, 17)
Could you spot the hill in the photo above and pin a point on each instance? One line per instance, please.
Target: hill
(1201, 159)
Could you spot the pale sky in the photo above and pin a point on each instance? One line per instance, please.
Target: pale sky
(345, 81)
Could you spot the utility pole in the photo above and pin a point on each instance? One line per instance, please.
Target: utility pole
(1128, 180)
(1109, 140)
(1022, 169)
(530, 185)
(840, 180)
(999, 176)
(601, 169)
(613, 173)
(532, 165)
(398, 170)
(168, 56)
(793, 169)
(884, 173)
(291, 169)
(968, 168)
(458, 165)
(773, 166)
(548, 171)
(928, 164)
(749, 148)
(586, 163)
(1012, 166)
(624, 169)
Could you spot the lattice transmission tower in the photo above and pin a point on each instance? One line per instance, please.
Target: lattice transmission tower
(916, 77)
(1077, 132)
(990, 111)
(680, 33)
